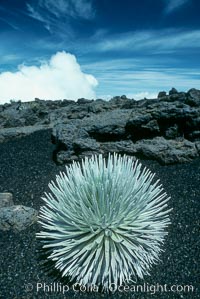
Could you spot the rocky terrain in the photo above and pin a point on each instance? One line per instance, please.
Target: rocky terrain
(166, 129)
(26, 168)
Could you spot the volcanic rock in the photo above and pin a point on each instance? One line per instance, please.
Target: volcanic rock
(173, 91)
(166, 129)
(17, 217)
(193, 97)
(167, 151)
(6, 200)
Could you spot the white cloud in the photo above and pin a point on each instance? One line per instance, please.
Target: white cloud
(161, 41)
(59, 78)
(142, 95)
(172, 5)
(55, 13)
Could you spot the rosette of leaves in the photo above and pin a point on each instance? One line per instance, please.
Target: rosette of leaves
(104, 221)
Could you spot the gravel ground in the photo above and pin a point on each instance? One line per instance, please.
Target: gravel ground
(26, 167)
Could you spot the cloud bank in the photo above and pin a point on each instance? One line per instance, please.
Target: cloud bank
(160, 41)
(59, 78)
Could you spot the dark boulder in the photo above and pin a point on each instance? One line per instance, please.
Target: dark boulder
(162, 94)
(173, 91)
(193, 97)
(84, 101)
(79, 136)
(167, 151)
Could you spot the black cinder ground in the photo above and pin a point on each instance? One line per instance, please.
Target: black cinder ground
(26, 167)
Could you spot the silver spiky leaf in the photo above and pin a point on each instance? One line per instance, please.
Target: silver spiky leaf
(104, 221)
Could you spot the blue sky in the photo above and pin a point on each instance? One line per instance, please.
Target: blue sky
(129, 47)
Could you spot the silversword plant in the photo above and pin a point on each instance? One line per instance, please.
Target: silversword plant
(104, 221)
